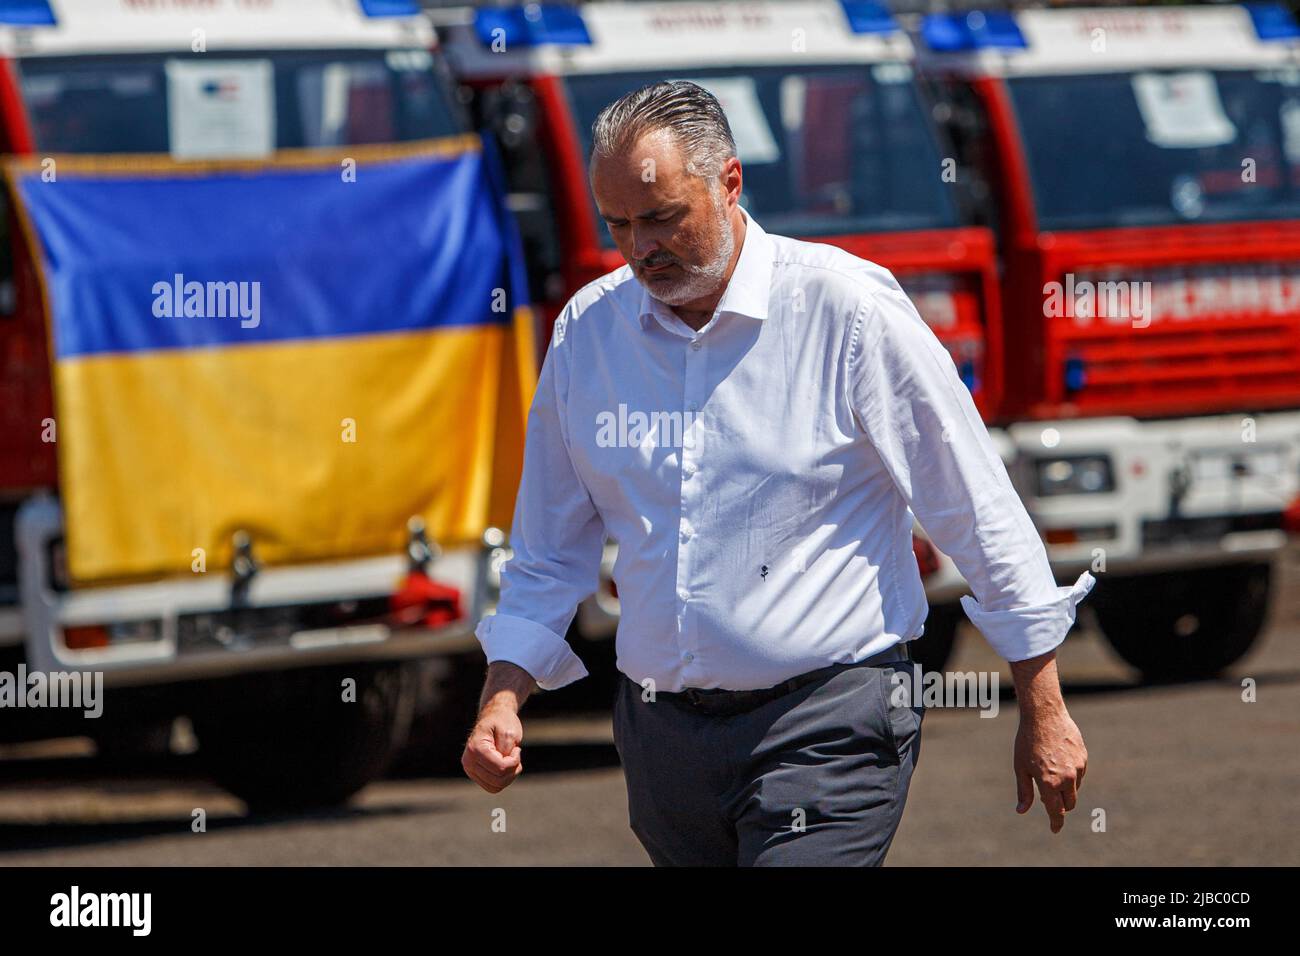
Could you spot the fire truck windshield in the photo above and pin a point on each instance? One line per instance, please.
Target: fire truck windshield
(1161, 147)
(826, 150)
(234, 104)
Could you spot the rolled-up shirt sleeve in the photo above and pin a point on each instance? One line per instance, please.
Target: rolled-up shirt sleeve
(557, 538)
(906, 395)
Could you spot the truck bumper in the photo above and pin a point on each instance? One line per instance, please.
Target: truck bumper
(1127, 495)
(185, 628)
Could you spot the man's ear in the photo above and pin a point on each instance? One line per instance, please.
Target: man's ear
(733, 180)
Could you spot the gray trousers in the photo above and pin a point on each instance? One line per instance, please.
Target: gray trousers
(817, 777)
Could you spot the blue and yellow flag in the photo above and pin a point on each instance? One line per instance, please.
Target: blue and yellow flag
(311, 349)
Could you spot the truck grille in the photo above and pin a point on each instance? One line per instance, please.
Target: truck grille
(1169, 531)
(1211, 338)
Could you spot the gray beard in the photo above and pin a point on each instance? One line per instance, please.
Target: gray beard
(701, 280)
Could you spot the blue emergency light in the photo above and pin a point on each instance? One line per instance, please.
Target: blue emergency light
(390, 8)
(1075, 374)
(867, 16)
(976, 30)
(533, 24)
(1273, 21)
(966, 372)
(27, 13)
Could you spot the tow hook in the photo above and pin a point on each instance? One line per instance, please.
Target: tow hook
(243, 567)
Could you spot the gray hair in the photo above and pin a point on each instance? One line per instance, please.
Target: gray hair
(690, 113)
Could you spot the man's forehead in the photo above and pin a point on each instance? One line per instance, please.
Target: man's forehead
(627, 189)
(656, 153)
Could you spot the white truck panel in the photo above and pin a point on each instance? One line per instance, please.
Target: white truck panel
(135, 26)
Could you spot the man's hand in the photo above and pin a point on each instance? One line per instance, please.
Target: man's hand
(1049, 747)
(493, 756)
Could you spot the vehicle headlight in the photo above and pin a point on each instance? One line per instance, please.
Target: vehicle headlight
(1082, 475)
(135, 632)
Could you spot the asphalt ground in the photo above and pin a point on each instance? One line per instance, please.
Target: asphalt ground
(1180, 774)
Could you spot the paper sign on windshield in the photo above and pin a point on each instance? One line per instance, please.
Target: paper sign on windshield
(738, 97)
(220, 108)
(1182, 110)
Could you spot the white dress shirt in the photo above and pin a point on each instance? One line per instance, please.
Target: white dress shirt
(760, 477)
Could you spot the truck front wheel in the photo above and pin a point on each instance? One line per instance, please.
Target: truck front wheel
(1186, 624)
(305, 738)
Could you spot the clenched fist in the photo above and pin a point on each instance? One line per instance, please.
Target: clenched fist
(493, 756)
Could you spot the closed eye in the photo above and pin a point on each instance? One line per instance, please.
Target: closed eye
(620, 223)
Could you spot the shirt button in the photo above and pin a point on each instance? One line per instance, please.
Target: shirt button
(689, 468)
(684, 594)
(696, 344)
(686, 534)
(688, 657)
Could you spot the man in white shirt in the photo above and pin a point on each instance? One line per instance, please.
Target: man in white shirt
(755, 420)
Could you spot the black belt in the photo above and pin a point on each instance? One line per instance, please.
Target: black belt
(720, 702)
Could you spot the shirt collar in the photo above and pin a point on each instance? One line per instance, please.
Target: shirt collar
(747, 290)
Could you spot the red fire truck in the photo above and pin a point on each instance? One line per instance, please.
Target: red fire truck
(837, 140)
(1160, 454)
(1146, 169)
(257, 651)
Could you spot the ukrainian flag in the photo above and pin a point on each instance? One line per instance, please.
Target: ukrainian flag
(311, 349)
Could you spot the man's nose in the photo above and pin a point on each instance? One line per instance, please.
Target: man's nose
(643, 243)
